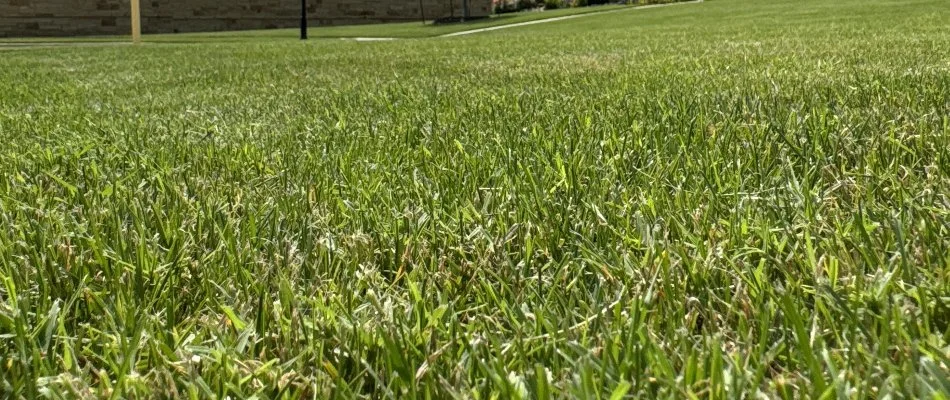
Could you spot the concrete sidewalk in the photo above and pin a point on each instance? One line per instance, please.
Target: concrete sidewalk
(555, 19)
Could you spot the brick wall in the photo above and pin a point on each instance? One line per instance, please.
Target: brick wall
(110, 17)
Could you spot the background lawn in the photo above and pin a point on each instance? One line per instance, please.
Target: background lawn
(396, 30)
(733, 197)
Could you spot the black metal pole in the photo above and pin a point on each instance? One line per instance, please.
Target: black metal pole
(422, 11)
(303, 19)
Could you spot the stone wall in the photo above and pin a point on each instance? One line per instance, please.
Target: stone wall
(111, 17)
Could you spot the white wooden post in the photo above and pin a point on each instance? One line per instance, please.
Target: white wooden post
(136, 22)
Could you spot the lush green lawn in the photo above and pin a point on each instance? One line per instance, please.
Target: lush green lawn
(398, 30)
(729, 198)
(403, 30)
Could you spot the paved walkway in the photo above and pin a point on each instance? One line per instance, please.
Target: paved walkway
(555, 19)
(371, 39)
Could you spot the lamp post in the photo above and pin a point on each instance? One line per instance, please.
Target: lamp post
(422, 12)
(303, 19)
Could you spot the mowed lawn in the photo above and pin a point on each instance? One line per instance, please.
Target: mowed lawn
(402, 30)
(743, 199)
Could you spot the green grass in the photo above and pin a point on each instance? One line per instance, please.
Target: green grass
(394, 30)
(727, 199)
(410, 29)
